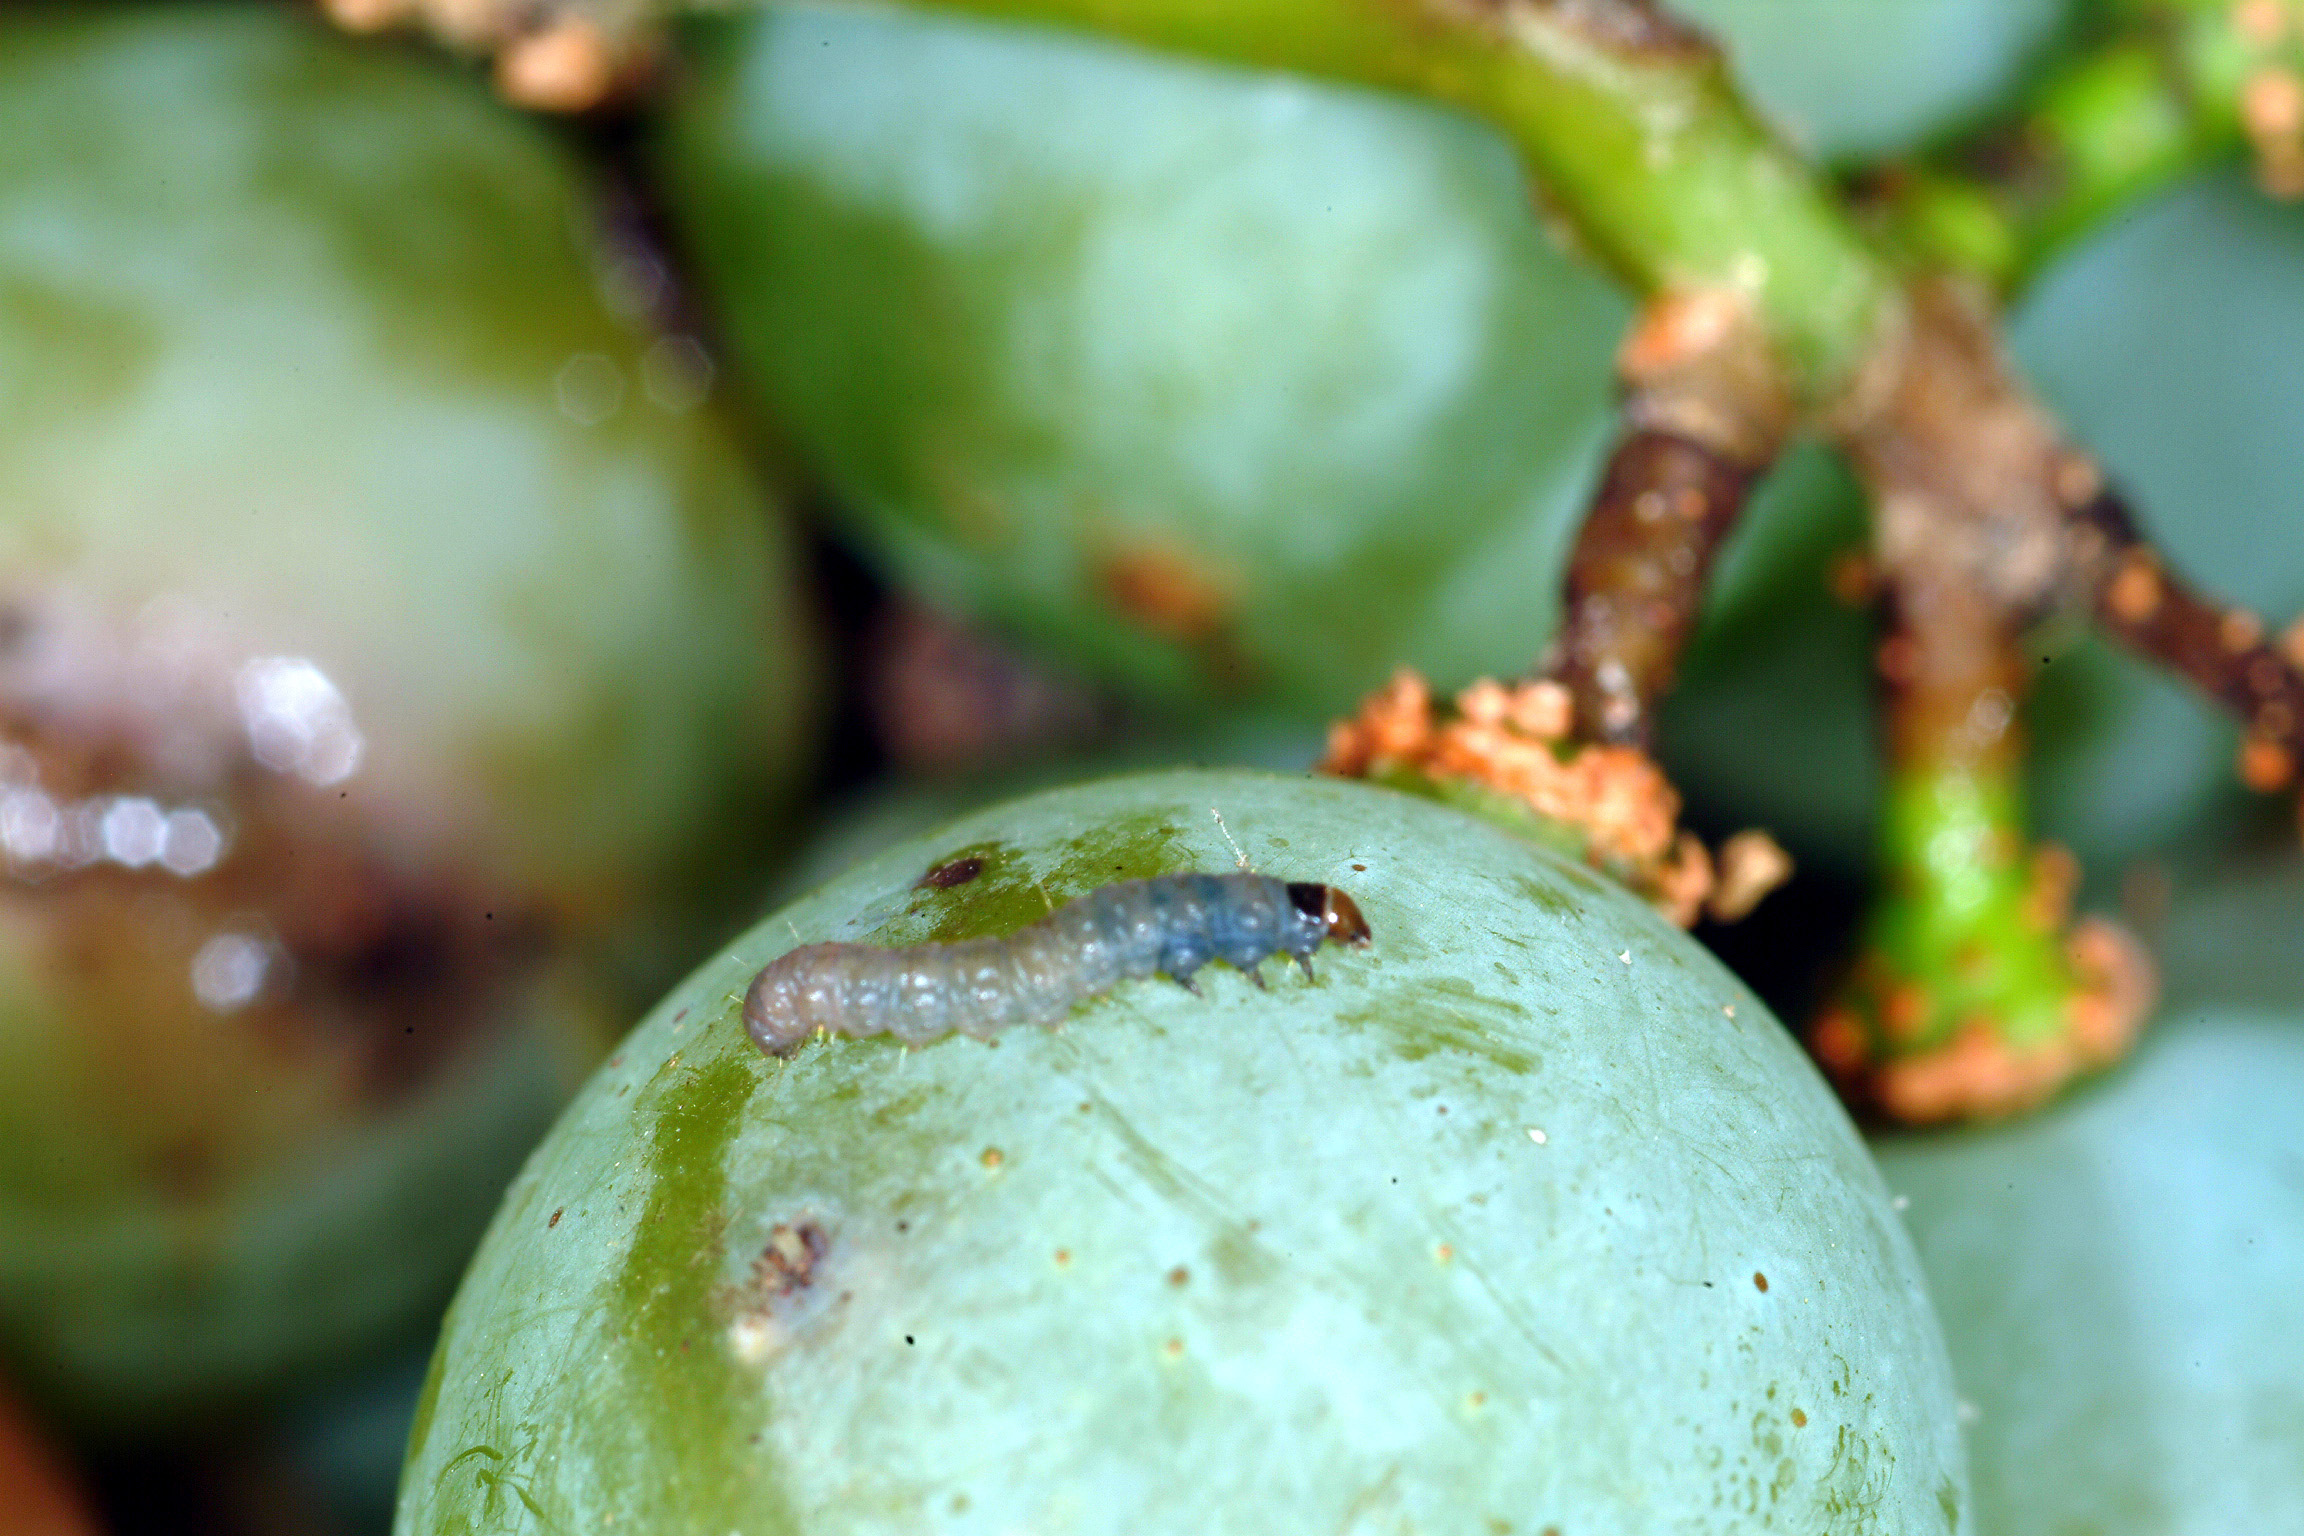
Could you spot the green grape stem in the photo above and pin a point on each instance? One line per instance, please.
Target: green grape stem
(2161, 88)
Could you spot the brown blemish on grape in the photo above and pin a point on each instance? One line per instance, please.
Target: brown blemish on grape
(1166, 590)
(954, 872)
(320, 954)
(1799, 1419)
(945, 696)
(788, 1263)
(1179, 1276)
(1759, 1282)
(780, 1283)
(555, 1221)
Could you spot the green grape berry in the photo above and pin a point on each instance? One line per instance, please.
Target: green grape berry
(2117, 1276)
(1523, 1216)
(384, 672)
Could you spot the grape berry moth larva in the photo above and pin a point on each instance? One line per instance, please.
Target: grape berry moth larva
(1172, 924)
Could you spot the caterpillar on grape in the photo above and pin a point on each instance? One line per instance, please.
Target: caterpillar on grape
(1170, 924)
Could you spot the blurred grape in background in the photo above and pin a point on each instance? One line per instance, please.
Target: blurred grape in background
(397, 663)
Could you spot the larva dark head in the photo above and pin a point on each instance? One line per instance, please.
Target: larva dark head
(1338, 914)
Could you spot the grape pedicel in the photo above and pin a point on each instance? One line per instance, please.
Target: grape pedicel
(1171, 924)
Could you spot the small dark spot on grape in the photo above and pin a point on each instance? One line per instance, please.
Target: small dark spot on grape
(683, 1013)
(789, 1261)
(1759, 1281)
(555, 1221)
(903, 1226)
(956, 872)
(1179, 1275)
(1799, 1419)
(907, 1338)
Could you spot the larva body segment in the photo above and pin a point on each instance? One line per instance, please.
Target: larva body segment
(1171, 924)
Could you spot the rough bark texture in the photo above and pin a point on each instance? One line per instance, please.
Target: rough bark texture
(2222, 651)
(1705, 412)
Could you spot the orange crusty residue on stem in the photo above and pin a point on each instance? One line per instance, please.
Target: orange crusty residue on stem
(1978, 1073)
(1513, 741)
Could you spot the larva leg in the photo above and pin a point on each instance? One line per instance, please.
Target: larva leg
(1188, 984)
(1255, 973)
(1305, 961)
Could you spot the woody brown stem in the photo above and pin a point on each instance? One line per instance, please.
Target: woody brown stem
(1971, 996)
(1706, 411)
(2222, 651)
(1637, 576)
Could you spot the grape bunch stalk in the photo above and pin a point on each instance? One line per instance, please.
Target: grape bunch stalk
(1778, 300)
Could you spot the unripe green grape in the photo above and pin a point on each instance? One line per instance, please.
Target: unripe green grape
(1524, 1216)
(1236, 389)
(2117, 1277)
(383, 674)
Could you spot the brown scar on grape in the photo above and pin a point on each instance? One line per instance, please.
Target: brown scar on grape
(788, 1263)
(951, 873)
(946, 696)
(782, 1279)
(1168, 591)
(385, 955)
